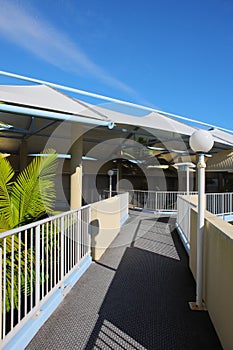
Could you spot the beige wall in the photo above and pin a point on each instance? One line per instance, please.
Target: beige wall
(217, 273)
(106, 218)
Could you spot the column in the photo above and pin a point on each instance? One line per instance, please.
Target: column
(76, 167)
(23, 154)
(184, 183)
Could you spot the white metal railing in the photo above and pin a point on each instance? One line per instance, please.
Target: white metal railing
(155, 200)
(152, 200)
(184, 206)
(36, 260)
(216, 203)
(219, 203)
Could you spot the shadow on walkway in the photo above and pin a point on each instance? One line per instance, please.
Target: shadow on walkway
(135, 297)
(146, 306)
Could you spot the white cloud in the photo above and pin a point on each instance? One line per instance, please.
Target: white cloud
(50, 44)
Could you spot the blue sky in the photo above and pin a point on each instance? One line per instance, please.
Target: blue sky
(174, 55)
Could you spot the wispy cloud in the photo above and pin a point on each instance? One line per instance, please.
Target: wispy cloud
(49, 43)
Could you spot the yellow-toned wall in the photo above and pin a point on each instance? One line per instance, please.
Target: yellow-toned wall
(108, 215)
(217, 273)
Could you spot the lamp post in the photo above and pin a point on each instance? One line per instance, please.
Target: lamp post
(110, 173)
(201, 142)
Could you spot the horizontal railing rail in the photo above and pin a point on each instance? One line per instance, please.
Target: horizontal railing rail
(36, 260)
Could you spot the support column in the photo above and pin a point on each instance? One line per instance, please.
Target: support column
(183, 170)
(76, 167)
(23, 154)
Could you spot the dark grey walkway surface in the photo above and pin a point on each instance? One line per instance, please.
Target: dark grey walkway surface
(135, 297)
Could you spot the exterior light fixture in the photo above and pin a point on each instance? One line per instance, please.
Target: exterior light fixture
(201, 142)
(110, 174)
(59, 156)
(162, 166)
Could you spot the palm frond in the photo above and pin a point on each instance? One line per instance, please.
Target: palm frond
(33, 192)
(6, 174)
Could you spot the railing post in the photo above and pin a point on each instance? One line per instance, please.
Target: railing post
(223, 206)
(37, 262)
(62, 249)
(79, 255)
(89, 235)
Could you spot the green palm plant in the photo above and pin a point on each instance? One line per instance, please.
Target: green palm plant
(31, 195)
(23, 200)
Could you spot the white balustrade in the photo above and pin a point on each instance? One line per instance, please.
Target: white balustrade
(36, 260)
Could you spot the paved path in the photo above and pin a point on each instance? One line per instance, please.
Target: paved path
(135, 297)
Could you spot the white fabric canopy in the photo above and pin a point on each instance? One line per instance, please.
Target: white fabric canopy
(44, 97)
(48, 99)
(222, 137)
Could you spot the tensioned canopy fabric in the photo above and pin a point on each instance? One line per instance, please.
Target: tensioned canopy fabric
(41, 96)
(47, 98)
(45, 103)
(222, 136)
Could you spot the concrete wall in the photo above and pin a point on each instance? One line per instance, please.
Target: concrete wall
(107, 216)
(218, 273)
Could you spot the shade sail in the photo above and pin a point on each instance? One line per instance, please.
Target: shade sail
(152, 120)
(43, 97)
(222, 137)
(47, 98)
(166, 131)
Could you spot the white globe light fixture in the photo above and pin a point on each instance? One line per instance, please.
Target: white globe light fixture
(201, 142)
(110, 174)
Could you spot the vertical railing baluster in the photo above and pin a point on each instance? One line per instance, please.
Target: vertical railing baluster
(54, 252)
(89, 236)
(58, 249)
(62, 249)
(4, 288)
(37, 265)
(51, 256)
(25, 272)
(19, 278)
(78, 234)
(65, 246)
(73, 240)
(31, 268)
(12, 279)
(68, 242)
(42, 261)
(47, 257)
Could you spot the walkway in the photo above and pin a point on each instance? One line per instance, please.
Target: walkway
(135, 297)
